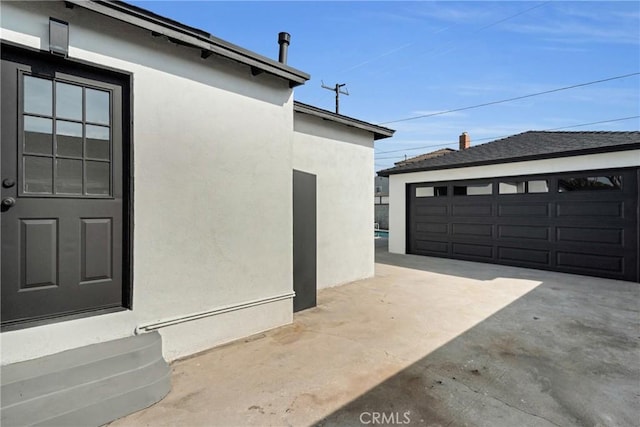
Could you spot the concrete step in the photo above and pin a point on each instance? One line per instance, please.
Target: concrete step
(86, 386)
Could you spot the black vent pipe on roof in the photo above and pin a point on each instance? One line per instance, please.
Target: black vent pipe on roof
(283, 40)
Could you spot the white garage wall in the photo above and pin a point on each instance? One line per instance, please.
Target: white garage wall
(397, 183)
(342, 159)
(212, 188)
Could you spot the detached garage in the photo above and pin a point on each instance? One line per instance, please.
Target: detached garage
(560, 201)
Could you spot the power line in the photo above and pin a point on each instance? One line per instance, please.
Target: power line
(512, 16)
(406, 45)
(596, 123)
(443, 52)
(499, 137)
(511, 99)
(416, 148)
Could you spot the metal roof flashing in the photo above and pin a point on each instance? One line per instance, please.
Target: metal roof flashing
(192, 37)
(378, 132)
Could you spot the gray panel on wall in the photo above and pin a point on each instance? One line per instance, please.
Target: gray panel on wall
(304, 240)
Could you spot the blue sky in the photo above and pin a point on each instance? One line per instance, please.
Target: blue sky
(405, 59)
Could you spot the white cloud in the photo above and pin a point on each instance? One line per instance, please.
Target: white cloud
(556, 48)
(568, 32)
(588, 22)
(460, 13)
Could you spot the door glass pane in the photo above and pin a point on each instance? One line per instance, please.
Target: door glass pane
(97, 106)
(68, 176)
(68, 101)
(512, 187)
(38, 96)
(69, 138)
(98, 142)
(37, 135)
(538, 186)
(98, 178)
(424, 192)
(439, 191)
(473, 190)
(480, 189)
(590, 183)
(38, 174)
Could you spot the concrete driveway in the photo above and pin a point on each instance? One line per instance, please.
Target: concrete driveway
(429, 342)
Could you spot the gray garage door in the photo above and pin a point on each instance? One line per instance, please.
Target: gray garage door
(583, 223)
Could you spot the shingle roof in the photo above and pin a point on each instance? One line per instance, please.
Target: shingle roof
(531, 145)
(440, 152)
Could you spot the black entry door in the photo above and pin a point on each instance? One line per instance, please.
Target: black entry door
(62, 194)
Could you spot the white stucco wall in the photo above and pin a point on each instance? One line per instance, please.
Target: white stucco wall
(212, 187)
(341, 157)
(397, 183)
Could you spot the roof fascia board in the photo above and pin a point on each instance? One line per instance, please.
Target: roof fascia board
(599, 150)
(379, 132)
(191, 38)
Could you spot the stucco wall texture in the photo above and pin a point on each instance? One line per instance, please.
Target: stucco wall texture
(213, 150)
(342, 160)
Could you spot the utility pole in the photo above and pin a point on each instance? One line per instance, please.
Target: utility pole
(338, 90)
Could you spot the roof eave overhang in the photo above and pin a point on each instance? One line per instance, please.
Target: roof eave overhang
(207, 45)
(378, 132)
(599, 150)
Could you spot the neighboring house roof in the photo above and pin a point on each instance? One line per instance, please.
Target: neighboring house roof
(437, 153)
(188, 36)
(532, 145)
(379, 132)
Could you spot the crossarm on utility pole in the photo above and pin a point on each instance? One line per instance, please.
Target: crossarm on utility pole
(338, 90)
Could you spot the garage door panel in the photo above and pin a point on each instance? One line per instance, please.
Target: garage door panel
(596, 249)
(474, 210)
(523, 210)
(611, 236)
(611, 209)
(483, 230)
(432, 227)
(426, 237)
(431, 210)
(474, 250)
(430, 246)
(591, 262)
(431, 219)
(530, 256)
(529, 232)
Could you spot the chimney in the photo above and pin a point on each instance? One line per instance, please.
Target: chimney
(465, 141)
(283, 41)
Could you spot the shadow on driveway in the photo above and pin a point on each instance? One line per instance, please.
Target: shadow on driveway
(565, 353)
